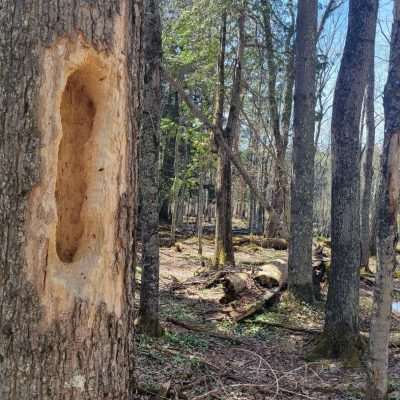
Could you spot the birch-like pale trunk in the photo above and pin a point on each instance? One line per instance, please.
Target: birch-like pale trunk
(387, 209)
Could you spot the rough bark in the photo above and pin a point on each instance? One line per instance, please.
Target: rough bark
(388, 199)
(148, 319)
(341, 323)
(368, 165)
(66, 310)
(302, 188)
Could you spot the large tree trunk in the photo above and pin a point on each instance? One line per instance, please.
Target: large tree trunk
(341, 323)
(69, 101)
(302, 189)
(386, 225)
(148, 321)
(368, 166)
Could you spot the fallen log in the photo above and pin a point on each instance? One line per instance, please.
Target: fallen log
(204, 330)
(236, 283)
(273, 274)
(254, 307)
(273, 243)
(292, 328)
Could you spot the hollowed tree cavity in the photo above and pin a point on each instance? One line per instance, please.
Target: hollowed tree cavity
(77, 117)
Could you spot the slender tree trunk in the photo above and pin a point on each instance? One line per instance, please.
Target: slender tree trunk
(387, 224)
(341, 323)
(175, 190)
(372, 231)
(200, 213)
(368, 166)
(148, 320)
(302, 189)
(167, 168)
(277, 223)
(69, 101)
(223, 239)
(223, 230)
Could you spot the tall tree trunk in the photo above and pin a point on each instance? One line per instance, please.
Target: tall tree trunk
(167, 168)
(148, 321)
(368, 166)
(277, 224)
(223, 239)
(200, 212)
(386, 224)
(69, 101)
(176, 188)
(341, 323)
(302, 189)
(372, 231)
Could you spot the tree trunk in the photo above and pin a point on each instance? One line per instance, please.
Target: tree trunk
(341, 323)
(387, 225)
(277, 221)
(302, 189)
(368, 166)
(223, 231)
(70, 94)
(200, 212)
(176, 189)
(167, 169)
(148, 321)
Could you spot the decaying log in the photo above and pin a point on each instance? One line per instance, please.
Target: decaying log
(274, 243)
(297, 329)
(236, 283)
(252, 308)
(206, 331)
(272, 274)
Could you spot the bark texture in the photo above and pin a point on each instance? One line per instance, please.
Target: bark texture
(341, 323)
(148, 321)
(66, 321)
(387, 210)
(302, 189)
(368, 165)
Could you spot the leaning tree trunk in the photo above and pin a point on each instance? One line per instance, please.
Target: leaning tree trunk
(69, 101)
(387, 210)
(302, 188)
(341, 323)
(148, 321)
(368, 167)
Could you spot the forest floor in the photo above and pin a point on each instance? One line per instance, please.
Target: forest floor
(204, 354)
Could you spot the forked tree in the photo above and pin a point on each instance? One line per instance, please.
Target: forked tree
(69, 106)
